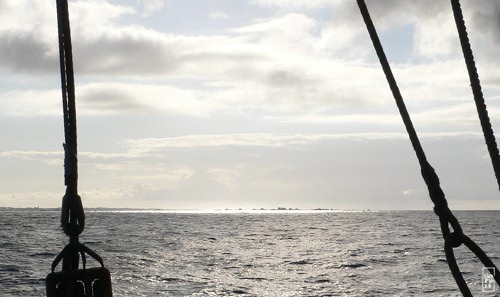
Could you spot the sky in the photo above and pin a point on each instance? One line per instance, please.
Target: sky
(191, 104)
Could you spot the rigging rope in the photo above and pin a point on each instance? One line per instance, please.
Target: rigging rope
(452, 239)
(72, 281)
(489, 136)
(68, 95)
(72, 213)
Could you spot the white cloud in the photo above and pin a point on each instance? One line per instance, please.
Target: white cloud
(206, 141)
(31, 199)
(151, 6)
(293, 4)
(111, 98)
(105, 98)
(31, 102)
(26, 42)
(225, 176)
(436, 44)
(457, 115)
(257, 170)
(474, 204)
(355, 118)
(281, 64)
(87, 16)
(219, 14)
(50, 158)
(30, 155)
(154, 145)
(288, 24)
(30, 44)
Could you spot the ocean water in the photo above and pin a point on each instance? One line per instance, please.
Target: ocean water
(388, 253)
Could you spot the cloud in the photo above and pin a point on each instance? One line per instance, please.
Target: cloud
(254, 166)
(219, 15)
(292, 4)
(29, 154)
(259, 170)
(100, 45)
(111, 98)
(31, 199)
(481, 21)
(126, 52)
(483, 25)
(89, 17)
(224, 140)
(290, 23)
(25, 41)
(436, 44)
(474, 204)
(30, 44)
(114, 99)
(24, 51)
(151, 6)
(31, 102)
(394, 9)
(459, 115)
(281, 64)
(355, 118)
(483, 18)
(225, 176)
(154, 145)
(103, 45)
(105, 98)
(147, 145)
(288, 63)
(282, 88)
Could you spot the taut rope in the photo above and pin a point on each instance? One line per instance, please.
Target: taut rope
(489, 136)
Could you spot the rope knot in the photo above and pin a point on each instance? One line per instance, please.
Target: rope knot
(442, 210)
(72, 214)
(454, 239)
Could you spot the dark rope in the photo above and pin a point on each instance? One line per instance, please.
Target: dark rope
(428, 173)
(446, 217)
(72, 213)
(489, 136)
(68, 95)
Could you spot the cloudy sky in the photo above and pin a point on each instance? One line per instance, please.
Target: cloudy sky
(246, 103)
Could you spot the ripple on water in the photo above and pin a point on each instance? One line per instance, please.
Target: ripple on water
(333, 254)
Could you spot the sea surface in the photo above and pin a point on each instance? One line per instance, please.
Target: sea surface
(280, 253)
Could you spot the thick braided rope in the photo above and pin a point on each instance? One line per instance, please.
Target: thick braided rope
(72, 213)
(482, 112)
(428, 173)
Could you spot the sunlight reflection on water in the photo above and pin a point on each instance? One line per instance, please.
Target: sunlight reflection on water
(252, 253)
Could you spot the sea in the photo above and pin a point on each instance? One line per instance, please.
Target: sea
(253, 253)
